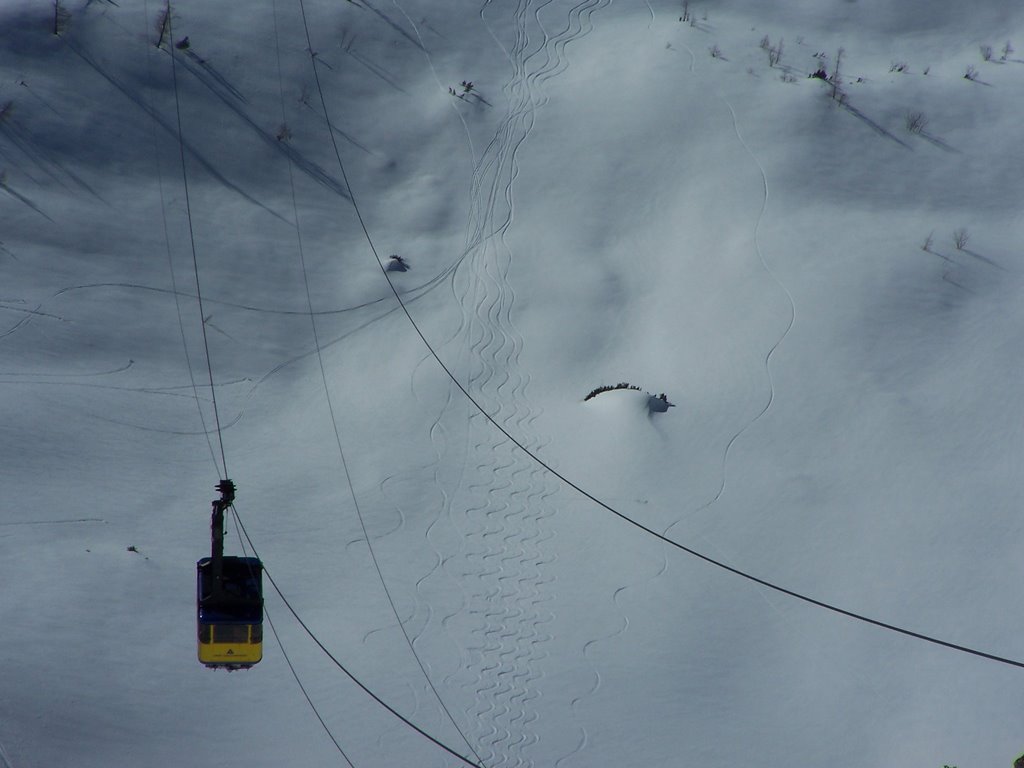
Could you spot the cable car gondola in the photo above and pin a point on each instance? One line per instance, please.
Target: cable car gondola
(229, 599)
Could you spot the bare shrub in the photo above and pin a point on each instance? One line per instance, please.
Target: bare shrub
(765, 43)
(898, 66)
(926, 246)
(960, 238)
(986, 52)
(971, 73)
(775, 54)
(916, 122)
(716, 52)
(1007, 50)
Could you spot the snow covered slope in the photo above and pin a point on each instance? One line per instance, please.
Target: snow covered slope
(586, 192)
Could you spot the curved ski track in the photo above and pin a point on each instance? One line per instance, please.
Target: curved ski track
(771, 351)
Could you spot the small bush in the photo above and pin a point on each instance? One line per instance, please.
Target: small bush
(960, 238)
(1007, 50)
(916, 122)
(971, 73)
(716, 52)
(898, 66)
(986, 52)
(609, 387)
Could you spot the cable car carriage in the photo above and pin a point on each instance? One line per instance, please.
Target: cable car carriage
(229, 599)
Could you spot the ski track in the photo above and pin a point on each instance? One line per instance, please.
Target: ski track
(501, 626)
(771, 351)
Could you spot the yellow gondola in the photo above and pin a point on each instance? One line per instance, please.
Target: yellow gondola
(229, 600)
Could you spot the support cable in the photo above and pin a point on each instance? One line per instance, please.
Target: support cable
(341, 666)
(607, 507)
(177, 302)
(288, 661)
(192, 241)
(170, 263)
(330, 404)
(672, 543)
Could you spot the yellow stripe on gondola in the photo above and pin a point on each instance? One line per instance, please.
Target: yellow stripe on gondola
(229, 645)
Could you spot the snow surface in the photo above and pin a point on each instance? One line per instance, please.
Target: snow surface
(608, 203)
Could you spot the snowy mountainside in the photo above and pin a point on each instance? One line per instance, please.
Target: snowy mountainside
(585, 193)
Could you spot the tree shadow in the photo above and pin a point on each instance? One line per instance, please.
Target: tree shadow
(375, 70)
(700, 27)
(873, 125)
(159, 120)
(936, 141)
(303, 163)
(479, 98)
(961, 276)
(394, 25)
(213, 73)
(985, 259)
(21, 198)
